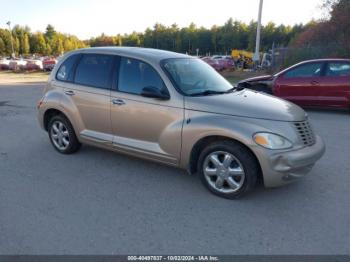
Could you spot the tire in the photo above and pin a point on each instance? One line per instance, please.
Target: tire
(238, 178)
(62, 135)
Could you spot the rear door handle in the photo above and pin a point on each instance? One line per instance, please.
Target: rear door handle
(118, 102)
(69, 93)
(315, 83)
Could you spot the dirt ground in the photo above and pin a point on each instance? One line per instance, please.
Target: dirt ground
(9, 77)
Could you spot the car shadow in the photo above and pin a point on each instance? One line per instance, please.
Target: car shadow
(168, 176)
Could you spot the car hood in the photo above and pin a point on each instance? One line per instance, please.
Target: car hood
(247, 103)
(259, 78)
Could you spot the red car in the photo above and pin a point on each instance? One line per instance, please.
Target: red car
(49, 64)
(213, 63)
(315, 83)
(220, 63)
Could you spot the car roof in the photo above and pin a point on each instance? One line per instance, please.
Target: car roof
(313, 61)
(149, 54)
(326, 60)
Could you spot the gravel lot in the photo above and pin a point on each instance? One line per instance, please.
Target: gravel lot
(99, 202)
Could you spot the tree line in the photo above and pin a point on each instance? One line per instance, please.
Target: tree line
(329, 37)
(25, 42)
(331, 34)
(216, 40)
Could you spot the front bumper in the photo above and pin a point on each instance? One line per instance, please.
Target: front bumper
(285, 167)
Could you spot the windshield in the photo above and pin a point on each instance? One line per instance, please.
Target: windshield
(195, 77)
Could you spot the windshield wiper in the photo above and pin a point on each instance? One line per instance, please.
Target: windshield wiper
(231, 90)
(236, 88)
(209, 92)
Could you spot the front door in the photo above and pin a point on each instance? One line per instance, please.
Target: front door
(301, 85)
(142, 126)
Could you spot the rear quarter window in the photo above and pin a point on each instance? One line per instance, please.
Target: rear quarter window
(65, 72)
(338, 69)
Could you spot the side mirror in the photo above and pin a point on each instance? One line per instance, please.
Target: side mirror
(153, 92)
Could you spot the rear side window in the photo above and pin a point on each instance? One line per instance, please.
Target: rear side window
(94, 70)
(134, 75)
(307, 70)
(338, 69)
(65, 72)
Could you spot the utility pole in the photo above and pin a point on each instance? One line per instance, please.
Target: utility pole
(256, 57)
(13, 51)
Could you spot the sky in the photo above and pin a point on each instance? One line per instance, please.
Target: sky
(90, 18)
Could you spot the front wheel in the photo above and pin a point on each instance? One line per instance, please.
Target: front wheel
(228, 169)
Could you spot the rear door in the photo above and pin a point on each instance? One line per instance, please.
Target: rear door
(90, 92)
(301, 84)
(335, 87)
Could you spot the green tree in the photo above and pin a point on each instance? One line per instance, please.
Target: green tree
(57, 45)
(6, 38)
(68, 45)
(50, 32)
(25, 46)
(131, 40)
(252, 35)
(38, 43)
(16, 45)
(2, 47)
(48, 50)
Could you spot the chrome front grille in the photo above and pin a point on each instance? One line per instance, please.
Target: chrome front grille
(305, 132)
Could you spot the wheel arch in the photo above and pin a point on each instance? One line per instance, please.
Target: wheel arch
(51, 112)
(204, 141)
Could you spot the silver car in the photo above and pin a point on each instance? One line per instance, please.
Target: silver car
(176, 110)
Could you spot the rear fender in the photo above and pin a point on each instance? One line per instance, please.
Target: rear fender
(55, 99)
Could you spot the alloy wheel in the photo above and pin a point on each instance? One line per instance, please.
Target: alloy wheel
(224, 172)
(60, 135)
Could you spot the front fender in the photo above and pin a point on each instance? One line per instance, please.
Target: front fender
(201, 125)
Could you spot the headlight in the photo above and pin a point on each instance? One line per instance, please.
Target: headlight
(272, 141)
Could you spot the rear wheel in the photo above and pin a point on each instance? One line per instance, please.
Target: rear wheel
(228, 169)
(62, 135)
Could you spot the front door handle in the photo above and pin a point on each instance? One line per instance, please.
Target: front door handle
(118, 102)
(69, 93)
(315, 83)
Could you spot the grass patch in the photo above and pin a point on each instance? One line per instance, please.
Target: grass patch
(236, 76)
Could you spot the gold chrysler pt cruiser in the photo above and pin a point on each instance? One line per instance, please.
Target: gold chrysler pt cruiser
(177, 110)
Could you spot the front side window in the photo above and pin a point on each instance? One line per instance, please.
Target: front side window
(195, 77)
(338, 69)
(94, 70)
(307, 70)
(134, 75)
(65, 72)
